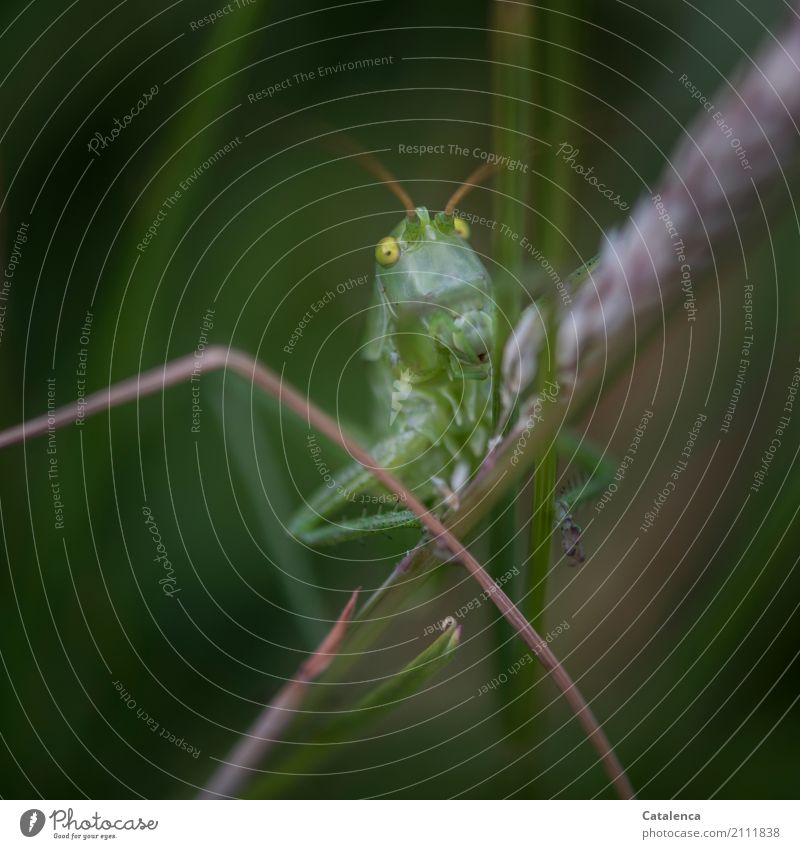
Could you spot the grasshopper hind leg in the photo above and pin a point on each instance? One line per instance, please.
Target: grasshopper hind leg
(314, 524)
(332, 533)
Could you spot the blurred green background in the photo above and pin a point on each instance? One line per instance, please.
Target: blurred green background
(686, 645)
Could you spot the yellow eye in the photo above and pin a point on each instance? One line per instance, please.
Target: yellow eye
(388, 251)
(461, 227)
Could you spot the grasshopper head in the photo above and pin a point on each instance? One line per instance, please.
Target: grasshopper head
(437, 296)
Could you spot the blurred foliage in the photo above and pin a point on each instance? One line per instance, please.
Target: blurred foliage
(686, 645)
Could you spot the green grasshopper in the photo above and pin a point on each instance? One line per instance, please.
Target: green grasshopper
(431, 339)
(430, 336)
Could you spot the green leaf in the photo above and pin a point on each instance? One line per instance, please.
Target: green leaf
(409, 680)
(379, 702)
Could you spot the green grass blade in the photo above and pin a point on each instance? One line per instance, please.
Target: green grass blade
(558, 100)
(513, 124)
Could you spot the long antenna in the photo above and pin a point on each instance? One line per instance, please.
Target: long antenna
(370, 163)
(379, 170)
(474, 179)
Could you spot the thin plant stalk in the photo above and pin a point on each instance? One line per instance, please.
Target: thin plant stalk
(511, 106)
(218, 357)
(541, 537)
